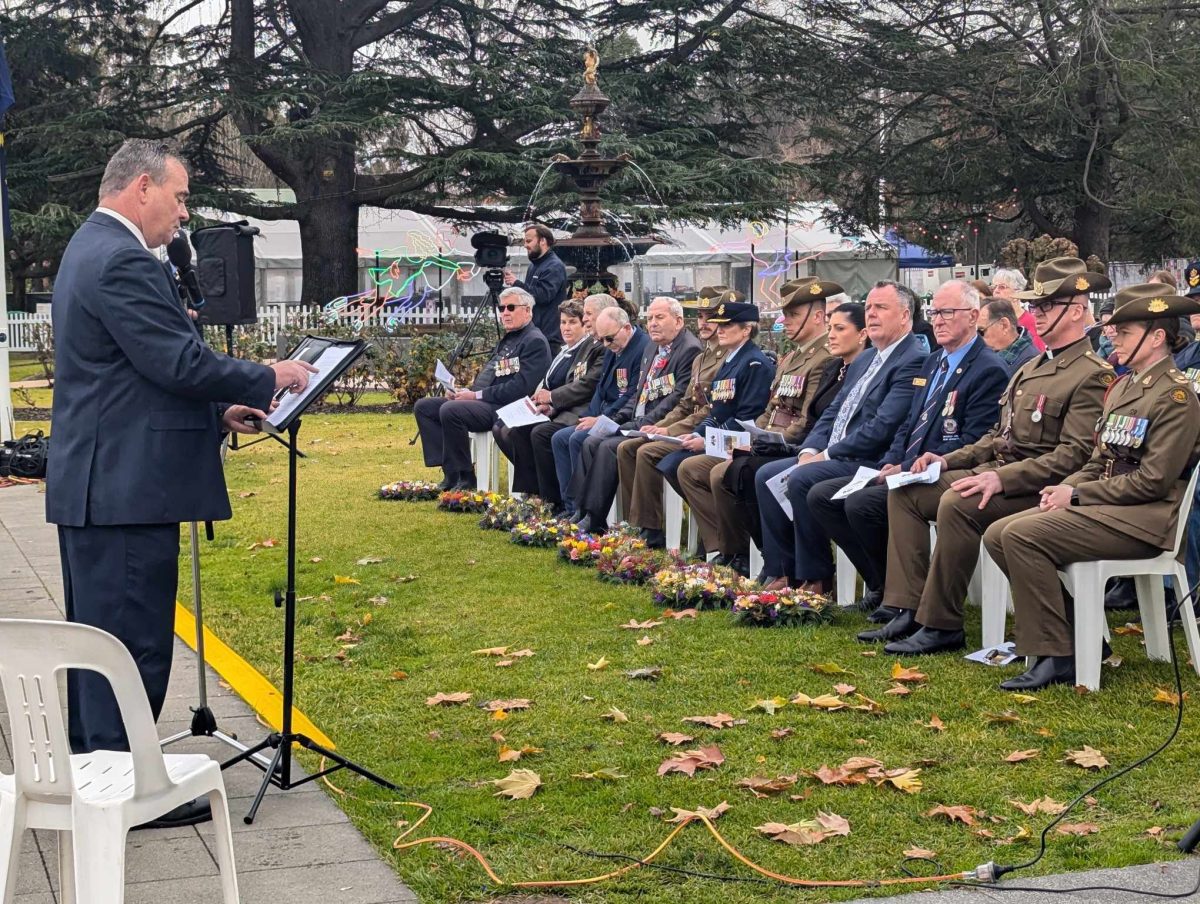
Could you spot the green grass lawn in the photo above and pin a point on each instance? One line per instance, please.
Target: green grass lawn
(472, 589)
(24, 366)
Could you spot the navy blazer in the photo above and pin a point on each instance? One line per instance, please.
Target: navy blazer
(749, 377)
(546, 281)
(135, 424)
(620, 376)
(881, 411)
(979, 381)
(524, 356)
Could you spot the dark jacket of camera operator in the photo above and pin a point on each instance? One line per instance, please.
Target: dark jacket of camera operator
(545, 280)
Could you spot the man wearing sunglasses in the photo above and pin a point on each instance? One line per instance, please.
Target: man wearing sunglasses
(518, 364)
(1046, 431)
(998, 327)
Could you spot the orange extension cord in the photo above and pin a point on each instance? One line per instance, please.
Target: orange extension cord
(400, 845)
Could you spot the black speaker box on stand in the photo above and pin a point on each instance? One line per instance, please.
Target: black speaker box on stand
(225, 267)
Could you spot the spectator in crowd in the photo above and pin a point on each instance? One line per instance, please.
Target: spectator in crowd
(1105, 347)
(1045, 432)
(1006, 283)
(999, 329)
(855, 430)
(835, 301)
(514, 370)
(545, 281)
(956, 402)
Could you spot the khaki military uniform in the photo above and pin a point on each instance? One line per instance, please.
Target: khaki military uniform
(637, 458)
(1047, 419)
(703, 476)
(1129, 493)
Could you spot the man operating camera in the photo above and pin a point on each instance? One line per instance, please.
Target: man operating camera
(545, 280)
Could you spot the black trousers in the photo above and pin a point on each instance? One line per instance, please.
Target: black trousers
(122, 580)
(739, 480)
(858, 524)
(594, 485)
(528, 449)
(446, 426)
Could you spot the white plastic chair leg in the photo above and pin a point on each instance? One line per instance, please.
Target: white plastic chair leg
(994, 598)
(1088, 590)
(975, 588)
(847, 579)
(12, 830)
(1187, 615)
(224, 846)
(756, 560)
(100, 855)
(614, 510)
(672, 516)
(66, 869)
(1154, 615)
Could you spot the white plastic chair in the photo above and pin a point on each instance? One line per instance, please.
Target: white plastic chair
(93, 799)
(756, 560)
(673, 517)
(846, 578)
(486, 456)
(995, 598)
(1085, 582)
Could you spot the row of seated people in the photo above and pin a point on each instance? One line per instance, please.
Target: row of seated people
(1100, 462)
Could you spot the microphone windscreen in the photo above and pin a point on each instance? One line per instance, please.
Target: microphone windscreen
(179, 251)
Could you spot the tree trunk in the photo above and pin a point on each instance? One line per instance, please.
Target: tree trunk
(329, 247)
(1093, 224)
(18, 289)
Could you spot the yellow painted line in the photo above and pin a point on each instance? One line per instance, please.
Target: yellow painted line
(246, 681)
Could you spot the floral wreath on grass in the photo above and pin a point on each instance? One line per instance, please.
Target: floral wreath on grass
(508, 511)
(410, 491)
(582, 548)
(700, 586)
(785, 608)
(632, 563)
(540, 532)
(468, 501)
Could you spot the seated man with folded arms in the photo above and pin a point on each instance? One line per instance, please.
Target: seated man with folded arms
(1046, 430)
(515, 368)
(638, 457)
(667, 361)
(789, 412)
(855, 431)
(563, 395)
(1123, 503)
(619, 373)
(956, 401)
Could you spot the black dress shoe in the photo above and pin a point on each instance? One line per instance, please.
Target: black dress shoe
(1121, 593)
(447, 482)
(884, 614)
(655, 538)
(740, 564)
(189, 814)
(722, 560)
(465, 482)
(899, 627)
(928, 640)
(1045, 671)
(871, 600)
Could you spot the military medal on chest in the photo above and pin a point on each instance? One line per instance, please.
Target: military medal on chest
(1036, 417)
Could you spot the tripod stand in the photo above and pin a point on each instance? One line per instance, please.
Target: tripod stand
(279, 771)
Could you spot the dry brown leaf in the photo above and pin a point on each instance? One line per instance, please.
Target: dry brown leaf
(343, 579)
(1045, 732)
(635, 625)
(370, 560)
(705, 758)
(675, 738)
(645, 640)
(497, 737)
(512, 754)
(961, 813)
(608, 774)
(935, 723)
(760, 786)
(499, 715)
(868, 705)
(1023, 699)
(1076, 828)
(830, 668)
(710, 814)
(858, 763)
(518, 784)
(1162, 695)
(808, 831)
(1087, 758)
(1008, 717)
(650, 673)
(844, 689)
(1018, 755)
(599, 665)
(780, 733)
(490, 651)
(900, 673)
(506, 705)
(521, 654)
(769, 706)
(399, 675)
(720, 720)
(504, 663)
(897, 690)
(349, 637)
(920, 853)
(247, 494)
(828, 702)
(682, 613)
(869, 654)
(615, 715)
(837, 776)
(832, 823)
(1047, 805)
(1155, 832)
(448, 699)
(906, 780)
(1128, 628)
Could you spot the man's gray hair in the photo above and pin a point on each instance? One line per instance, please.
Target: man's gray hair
(967, 293)
(840, 299)
(617, 315)
(134, 157)
(908, 297)
(1013, 279)
(522, 297)
(601, 300)
(673, 304)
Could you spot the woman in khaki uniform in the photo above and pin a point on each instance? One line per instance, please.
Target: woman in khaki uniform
(1124, 502)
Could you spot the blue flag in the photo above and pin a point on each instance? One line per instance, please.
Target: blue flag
(6, 101)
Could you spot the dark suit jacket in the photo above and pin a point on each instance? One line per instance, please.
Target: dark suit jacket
(570, 397)
(880, 412)
(135, 424)
(684, 350)
(526, 351)
(749, 375)
(620, 376)
(979, 381)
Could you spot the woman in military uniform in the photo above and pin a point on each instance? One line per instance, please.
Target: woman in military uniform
(1124, 502)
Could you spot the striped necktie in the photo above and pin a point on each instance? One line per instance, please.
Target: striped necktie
(660, 361)
(852, 401)
(931, 402)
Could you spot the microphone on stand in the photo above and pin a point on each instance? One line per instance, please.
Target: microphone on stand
(179, 252)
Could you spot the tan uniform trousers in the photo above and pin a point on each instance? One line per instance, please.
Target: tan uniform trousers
(1030, 547)
(702, 478)
(641, 481)
(936, 586)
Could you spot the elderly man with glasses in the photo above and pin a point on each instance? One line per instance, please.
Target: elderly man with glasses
(516, 367)
(998, 327)
(1046, 428)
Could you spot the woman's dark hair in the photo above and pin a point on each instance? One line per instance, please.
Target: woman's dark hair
(571, 308)
(855, 311)
(1176, 341)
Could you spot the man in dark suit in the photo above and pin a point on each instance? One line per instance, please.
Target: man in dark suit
(955, 402)
(137, 429)
(665, 373)
(855, 430)
(545, 280)
(514, 370)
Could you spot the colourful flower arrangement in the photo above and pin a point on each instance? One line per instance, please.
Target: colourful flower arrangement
(578, 547)
(541, 532)
(410, 491)
(784, 607)
(508, 511)
(697, 587)
(471, 502)
(632, 563)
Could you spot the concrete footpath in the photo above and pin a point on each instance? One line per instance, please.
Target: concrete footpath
(300, 849)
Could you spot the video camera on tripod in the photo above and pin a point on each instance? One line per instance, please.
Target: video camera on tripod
(491, 255)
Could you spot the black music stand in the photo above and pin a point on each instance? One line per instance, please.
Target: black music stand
(333, 357)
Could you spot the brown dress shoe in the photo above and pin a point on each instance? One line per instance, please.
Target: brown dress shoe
(776, 585)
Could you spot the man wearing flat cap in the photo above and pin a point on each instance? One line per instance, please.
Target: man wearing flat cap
(1045, 432)
(1122, 504)
(638, 457)
(704, 479)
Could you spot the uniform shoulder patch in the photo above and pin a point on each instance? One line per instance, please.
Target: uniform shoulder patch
(1107, 379)
(1179, 395)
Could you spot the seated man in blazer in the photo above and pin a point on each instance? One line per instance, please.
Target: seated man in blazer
(957, 400)
(856, 430)
(517, 366)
